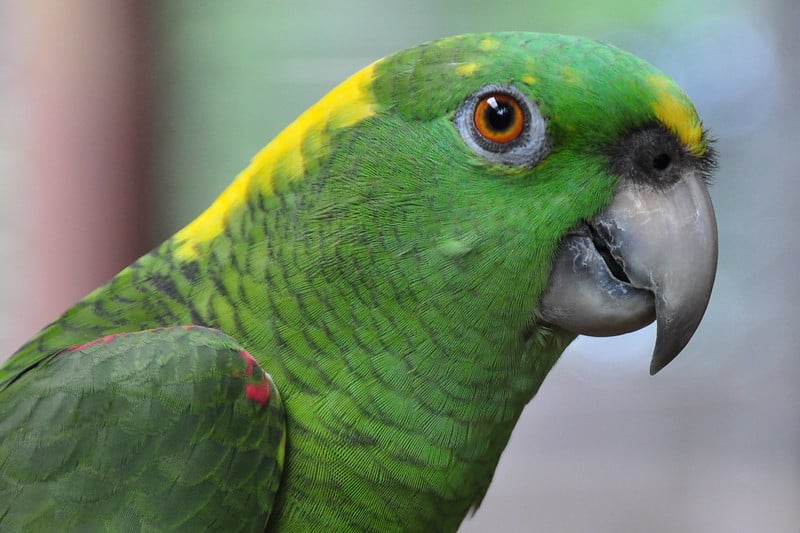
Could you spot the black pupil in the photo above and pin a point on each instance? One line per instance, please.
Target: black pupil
(661, 161)
(499, 115)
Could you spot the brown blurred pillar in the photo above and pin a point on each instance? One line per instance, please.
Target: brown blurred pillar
(78, 76)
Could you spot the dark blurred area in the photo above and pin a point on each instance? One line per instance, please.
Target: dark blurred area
(122, 120)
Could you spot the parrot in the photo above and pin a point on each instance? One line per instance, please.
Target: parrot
(345, 339)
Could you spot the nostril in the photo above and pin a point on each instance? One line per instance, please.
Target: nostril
(662, 161)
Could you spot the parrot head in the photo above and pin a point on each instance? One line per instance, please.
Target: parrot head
(502, 185)
(575, 152)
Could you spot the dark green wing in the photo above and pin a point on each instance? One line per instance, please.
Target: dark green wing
(175, 428)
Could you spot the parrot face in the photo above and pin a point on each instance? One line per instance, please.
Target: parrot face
(565, 156)
(345, 338)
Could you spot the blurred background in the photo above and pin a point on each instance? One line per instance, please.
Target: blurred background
(121, 120)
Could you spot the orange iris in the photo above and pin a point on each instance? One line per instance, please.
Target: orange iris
(499, 118)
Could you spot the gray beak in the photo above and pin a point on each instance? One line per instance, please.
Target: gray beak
(651, 254)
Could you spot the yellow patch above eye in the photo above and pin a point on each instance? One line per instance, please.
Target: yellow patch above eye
(284, 159)
(528, 79)
(677, 113)
(467, 69)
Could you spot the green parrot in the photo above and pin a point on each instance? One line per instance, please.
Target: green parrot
(345, 339)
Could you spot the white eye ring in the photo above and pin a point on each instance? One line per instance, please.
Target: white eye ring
(528, 148)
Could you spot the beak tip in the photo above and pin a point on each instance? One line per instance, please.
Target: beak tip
(659, 361)
(656, 365)
(669, 343)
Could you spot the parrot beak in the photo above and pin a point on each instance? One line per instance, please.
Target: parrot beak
(651, 254)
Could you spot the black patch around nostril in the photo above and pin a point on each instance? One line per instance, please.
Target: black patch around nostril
(651, 155)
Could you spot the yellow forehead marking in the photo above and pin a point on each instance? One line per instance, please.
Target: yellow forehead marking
(282, 160)
(528, 79)
(676, 113)
(488, 44)
(467, 69)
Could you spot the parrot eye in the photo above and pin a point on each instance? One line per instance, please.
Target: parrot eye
(503, 126)
(499, 118)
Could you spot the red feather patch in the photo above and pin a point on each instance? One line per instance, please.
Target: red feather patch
(260, 392)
